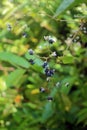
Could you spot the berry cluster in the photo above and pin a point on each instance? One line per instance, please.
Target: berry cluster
(49, 72)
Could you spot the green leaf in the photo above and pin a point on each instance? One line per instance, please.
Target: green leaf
(17, 117)
(3, 128)
(84, 103)
(82, 112)
(70, 80)
(31, 105)
(64, 5)
(14, 77)
(49, 110)
(82, 115)
(14, 59)
(67, 59)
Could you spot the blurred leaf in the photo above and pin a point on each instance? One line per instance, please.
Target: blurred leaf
(49, 109)
(84, 103)
(14, 59)
(2, 84)
(48, 112)
(63, 6)
(3, 128)
(31, 105)
(82, 115)
(14, 77)
(35, 91)
(67, 59)
(17, 117)
(70, 80)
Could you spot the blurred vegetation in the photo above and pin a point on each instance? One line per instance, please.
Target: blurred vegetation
(28, 25)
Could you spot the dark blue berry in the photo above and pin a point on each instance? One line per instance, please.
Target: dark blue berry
(42, 89)
(31, 61)
(51, 40)
(24, 34)
(49, 72)
(46, 70)
(30, 51)
(50, 98)
(45, 64)
(52, 71)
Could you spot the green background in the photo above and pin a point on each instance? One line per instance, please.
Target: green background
(22, 105)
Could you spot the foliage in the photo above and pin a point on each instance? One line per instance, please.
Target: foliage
(43, 65)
